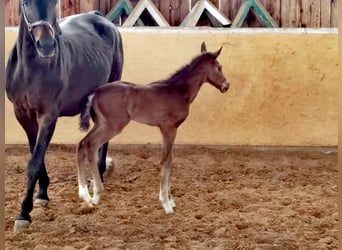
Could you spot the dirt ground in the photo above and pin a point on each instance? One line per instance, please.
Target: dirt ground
(226, 199)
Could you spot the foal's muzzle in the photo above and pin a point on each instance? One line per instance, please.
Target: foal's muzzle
(224, 87)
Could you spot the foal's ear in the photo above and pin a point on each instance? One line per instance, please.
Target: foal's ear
(203, 47)
(216, 54)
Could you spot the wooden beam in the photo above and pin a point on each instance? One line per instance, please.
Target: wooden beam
(118, 8)
(259, 10)
(216, 17)
(151, 8)
(241, 15)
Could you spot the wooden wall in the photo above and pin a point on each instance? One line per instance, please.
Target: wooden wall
(286, 13)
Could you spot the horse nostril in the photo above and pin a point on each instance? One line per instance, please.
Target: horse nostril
(47, 43)
(224, 87)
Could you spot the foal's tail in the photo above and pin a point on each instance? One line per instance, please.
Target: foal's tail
(86, 114)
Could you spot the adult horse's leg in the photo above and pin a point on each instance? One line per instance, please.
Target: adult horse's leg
(169, 135)
(104, 162)
(36, 168)
(30, 126)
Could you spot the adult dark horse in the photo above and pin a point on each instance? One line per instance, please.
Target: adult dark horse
(50, 72)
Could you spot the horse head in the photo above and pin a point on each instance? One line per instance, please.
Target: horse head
(214, 70)
(40, 18)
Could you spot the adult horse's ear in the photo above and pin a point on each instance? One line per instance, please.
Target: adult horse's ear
(58, 28)
(216, 54)
(203, 47)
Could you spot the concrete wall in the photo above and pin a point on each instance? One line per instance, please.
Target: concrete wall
(283, 87)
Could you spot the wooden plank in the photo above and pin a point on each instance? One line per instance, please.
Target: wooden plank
(96, 5)
(175, 12)
(108, 6)
(294, 13)
(285, 13)
(325, 13)
(224, 7)
(12, 14)
(86, 5)
(77, 7)
(262, 14)
(241, 15)
(233, 8)
(315, 18)
(305, 13)
(184, 10)
(276, 6)
(334, 11)
(164, 8)
(102, 6)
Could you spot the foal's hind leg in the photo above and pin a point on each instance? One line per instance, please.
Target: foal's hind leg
(87, 150)
(169, 135)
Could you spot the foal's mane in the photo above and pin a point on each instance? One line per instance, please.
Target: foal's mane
(188, 68)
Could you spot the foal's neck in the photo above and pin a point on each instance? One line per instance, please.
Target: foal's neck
(193, 81)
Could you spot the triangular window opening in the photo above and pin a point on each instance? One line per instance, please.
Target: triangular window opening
(253, 20)
(147, 19)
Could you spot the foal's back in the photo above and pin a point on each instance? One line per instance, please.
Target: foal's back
(151, 104)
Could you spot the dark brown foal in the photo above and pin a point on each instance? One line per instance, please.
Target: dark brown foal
(164, 104)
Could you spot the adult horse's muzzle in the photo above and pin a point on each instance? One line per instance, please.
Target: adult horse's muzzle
(45, 41)
(224, 87)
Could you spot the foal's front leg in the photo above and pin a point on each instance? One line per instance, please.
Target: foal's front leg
(169, 135)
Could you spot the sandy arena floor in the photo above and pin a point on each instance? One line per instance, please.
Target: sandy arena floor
(226, 199)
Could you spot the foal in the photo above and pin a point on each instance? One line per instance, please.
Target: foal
(164, 104)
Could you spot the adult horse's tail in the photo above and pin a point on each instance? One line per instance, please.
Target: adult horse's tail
(86, 114)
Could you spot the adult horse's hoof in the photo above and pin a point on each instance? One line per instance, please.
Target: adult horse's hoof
(41, 202)
(20, 225)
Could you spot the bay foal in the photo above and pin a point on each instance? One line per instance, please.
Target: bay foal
(164, 104)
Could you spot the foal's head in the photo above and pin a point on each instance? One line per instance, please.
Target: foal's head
(214, 70)
(41, 22)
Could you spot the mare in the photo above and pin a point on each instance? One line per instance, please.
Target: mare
(164, 104)
(52, 68)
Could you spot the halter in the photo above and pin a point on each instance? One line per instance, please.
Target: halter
(30, 26)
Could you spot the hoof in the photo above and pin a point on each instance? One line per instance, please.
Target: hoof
(20, 225)
(41, 202)
(168, 209)
(172, 203)
(86, 208)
